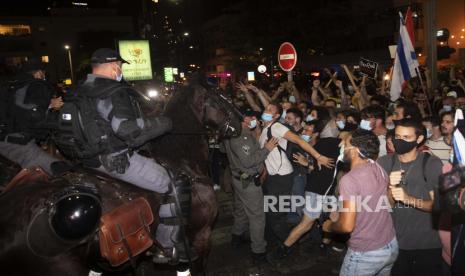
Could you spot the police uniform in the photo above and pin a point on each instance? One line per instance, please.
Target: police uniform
(27, 110)
(128, 129)
(246, 162)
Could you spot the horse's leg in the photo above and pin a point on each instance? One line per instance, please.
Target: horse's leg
(204, 212)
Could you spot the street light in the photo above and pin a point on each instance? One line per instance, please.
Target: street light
(68, 48)
(186, 34)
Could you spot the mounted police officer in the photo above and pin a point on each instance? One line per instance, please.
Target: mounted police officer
(246, 160)
(118, 128)
(25, 103)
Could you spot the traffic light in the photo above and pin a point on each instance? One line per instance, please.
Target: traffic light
(444, 52)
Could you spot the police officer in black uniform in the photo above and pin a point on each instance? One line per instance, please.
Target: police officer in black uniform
(25, 104)
(126, 130)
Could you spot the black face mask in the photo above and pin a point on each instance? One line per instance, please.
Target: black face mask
(402, 146)
(350, 126)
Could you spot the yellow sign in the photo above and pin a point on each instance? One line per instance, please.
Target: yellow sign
(137, 53)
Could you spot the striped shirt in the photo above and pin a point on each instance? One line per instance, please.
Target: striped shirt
(440, 149)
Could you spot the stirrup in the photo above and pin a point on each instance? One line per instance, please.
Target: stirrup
(165, 255)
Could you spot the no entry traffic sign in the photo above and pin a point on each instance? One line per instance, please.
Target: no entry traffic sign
(287, 56)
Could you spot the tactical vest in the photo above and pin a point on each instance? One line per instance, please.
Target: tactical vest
(81, 132)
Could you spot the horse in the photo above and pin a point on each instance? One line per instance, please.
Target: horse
(30, 245)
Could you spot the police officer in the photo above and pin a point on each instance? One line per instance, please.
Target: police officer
(246, 159)
(128, 129)
(25, 106)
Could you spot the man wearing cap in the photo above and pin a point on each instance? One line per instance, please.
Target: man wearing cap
(128, 130)
(29, 99)
(246, 160)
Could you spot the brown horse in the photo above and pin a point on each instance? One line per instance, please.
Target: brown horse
(27, 247)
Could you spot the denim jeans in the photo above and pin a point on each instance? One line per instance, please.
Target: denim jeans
(376, 262)
(298, 189)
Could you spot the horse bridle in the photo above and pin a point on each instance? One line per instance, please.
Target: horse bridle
(230, 111)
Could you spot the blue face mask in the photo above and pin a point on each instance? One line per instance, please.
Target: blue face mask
(120, 76)
(253, 124)
(340, 124)
(306, 138)
(364, 124)
(292, 99)
(309, 118)
(267, 117)
(447, 108)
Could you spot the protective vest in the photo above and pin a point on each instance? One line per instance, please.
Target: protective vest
(81, 132)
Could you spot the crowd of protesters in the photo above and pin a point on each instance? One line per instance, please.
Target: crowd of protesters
(362, 145)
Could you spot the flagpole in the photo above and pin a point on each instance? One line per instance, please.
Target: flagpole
(424, 90)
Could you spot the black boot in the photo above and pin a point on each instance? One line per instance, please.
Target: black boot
(259, 258)
(281, 252)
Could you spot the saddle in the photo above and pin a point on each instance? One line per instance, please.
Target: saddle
(125, 231)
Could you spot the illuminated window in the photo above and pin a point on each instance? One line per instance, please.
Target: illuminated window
(45, 59)
(15, 30)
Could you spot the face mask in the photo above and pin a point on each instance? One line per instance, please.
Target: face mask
(402, 146)
(364, 124)
(253, 124)
(292, 99)
(306, 138)
(447, 107)
(120, 76)
(267, 117)
(390, 126)
(340, 124)
(309, 118)
(283, 115)
(429, 133)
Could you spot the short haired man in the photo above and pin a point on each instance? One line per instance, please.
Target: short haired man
(372, 245)
(246, 162)
(414, 178)
(280, 171)
(373, 119)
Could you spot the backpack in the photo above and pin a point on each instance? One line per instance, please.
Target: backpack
(80, 131)
(423, 163)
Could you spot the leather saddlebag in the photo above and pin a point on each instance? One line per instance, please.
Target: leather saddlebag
(124, 231)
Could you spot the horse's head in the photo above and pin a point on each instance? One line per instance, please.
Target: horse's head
(217, 112)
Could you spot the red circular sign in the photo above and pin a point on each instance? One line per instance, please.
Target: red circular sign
(287, 56)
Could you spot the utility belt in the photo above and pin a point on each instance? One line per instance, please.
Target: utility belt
(246, 178)
(118, 162)
(16, 138)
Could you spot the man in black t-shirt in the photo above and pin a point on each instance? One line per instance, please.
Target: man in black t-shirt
(319, 183)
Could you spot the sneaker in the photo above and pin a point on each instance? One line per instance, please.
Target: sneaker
(338, 247)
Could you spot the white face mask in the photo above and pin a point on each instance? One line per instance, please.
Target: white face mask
(390, 126)
(365, 124)
(120, 76)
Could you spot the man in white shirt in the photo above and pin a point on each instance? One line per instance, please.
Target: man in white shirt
(279, 167)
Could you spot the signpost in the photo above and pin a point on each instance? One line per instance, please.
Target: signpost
(368, 68)
(137, 53)
(168, 72)
(287, 58)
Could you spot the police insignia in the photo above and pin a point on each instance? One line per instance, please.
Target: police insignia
(246, 149)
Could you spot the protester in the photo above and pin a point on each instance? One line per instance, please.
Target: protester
(373, 247)
(414, 178)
